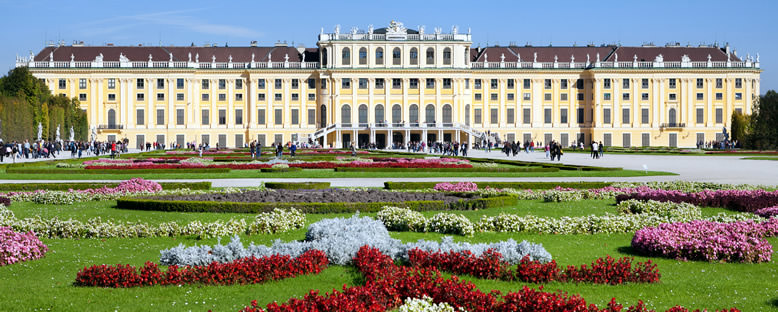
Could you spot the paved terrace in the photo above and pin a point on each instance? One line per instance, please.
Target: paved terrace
(719, 169)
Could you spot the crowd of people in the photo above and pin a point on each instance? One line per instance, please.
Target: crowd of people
(14, 150)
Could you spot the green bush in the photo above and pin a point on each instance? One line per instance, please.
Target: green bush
(25, 187)
(242, 207)
(113, 171)
(477, 169)
(514, 185)
(280, 169)
(298, 185)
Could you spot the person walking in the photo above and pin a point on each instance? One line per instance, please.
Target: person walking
(547, 148)
(600, 150)
(595, 150)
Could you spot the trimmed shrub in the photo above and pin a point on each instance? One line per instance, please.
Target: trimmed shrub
(501, 185)
(298, 185)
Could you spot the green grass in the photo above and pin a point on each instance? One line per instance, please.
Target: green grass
(47, 283)
(328, 173)
(762, 158)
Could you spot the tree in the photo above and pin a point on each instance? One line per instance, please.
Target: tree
(740, 129)
(764, 132)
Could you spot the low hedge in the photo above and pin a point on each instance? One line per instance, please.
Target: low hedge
(476, 169)
(254, 207)
(298, 185)
(113, 171)
(280, 169)
(515, 185)
(26, 187)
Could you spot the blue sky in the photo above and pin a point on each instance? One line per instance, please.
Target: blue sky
(746, 25)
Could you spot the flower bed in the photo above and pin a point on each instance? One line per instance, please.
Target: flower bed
(124, 188)
(18, 247)
(491, 266)
(739, 200)
(5, 201)
(242, 271)
(768, 212)
(708, 241)
(388, 284)
(457, 187)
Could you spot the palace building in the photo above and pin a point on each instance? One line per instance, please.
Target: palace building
(395, 84)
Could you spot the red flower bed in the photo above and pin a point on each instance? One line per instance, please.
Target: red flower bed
(331, 165)
(183, 166)
(490, 265)
(388, 284)
(243, 271)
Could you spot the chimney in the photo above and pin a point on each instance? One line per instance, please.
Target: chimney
(253, 43)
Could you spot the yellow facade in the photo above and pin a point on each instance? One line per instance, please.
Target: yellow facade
(449, 91)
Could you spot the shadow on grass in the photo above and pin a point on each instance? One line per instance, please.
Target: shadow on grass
(774, 302)
(627, 250)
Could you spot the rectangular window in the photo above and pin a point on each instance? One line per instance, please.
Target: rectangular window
(238, 97)
(493, 116)
(511, 96)
(719, 115)
(511, 83)
(477, 96)
(527, 83)
(345, 83)
(493, 97)
(563, 84)
(295, 83)
(140, 97)
(140, 117)
(222, 84)
(111, 83)
(626, 140)
(160, 116)
(295, 97)
(563, 115)
(312, 116)
(205, 117)
(526, 115)
(606, 83)
(644, 115)
(527, 96)
(477, 116)
(311, 83)
(160, 83)
(160, 96)
(646, 139)
(140, 83)
(700, 96)
(673, 97)
(446, 83)
(278, 84)
(719, 96)
(700, 83)
(260, 96)
(607, 139)
(430, 83)
(295, 116)
(493, 84)
(238, 84)
(625, 83)
(379, 83)
(580, 115)
(82, 83)
(738, 96)
(700, 115)
(580, 96)
(179, 83)
(672, 83)
(180, 116)
(510, 115)
(625, 116)
(239, 140)
(644, 96)
(206, 97)
(738, 83)
(625, 96)
(413, 83)
(238, 116)
(179, 96)
(547, 115)
(261, 84)
(363, 83)
(279, 116)
(719, 82)
(324, 84)
(82, 96)
(644, 83)
(222, 140)
(222, 117)
(311, 96)
(467, 83)
(547, 96)
(261, 116)
(547, 84)
(205, 84)
(222, 97)
(606, 96)
(277, 97)
(579, 84)
(606, 115)
(477, 84)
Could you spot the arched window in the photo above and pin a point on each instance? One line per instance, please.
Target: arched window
(414, 56)
(362, 115)
(396, 56)
(379, 56)
(362, 56)
(672, 118)
(467, 114)
(413, 114)
(345, 115)
(324, 57)
(430, 56)
(111, 119)
(429, 114)
(447, 114)
(346, 56)
(379, 114)
(397, 113)
(447, 56)
(323, 116)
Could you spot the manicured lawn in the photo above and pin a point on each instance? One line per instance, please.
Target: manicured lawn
(47, 283)
(762, 158)
(327, 173)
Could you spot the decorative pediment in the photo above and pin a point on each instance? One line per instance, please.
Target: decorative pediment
(396, 31)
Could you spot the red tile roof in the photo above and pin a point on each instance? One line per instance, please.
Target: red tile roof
(545, 54)
(206, 54)
(672, 54)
